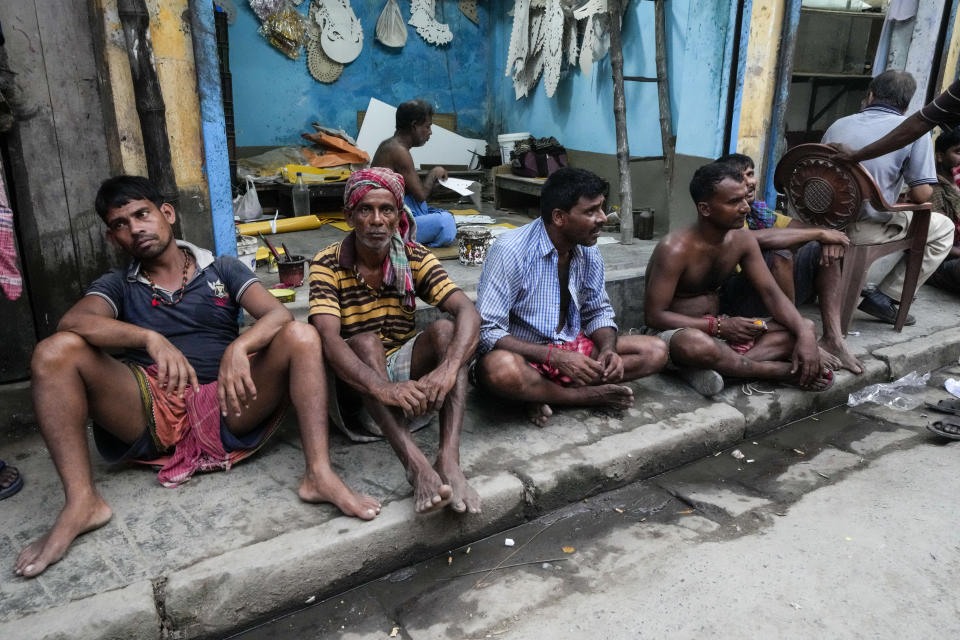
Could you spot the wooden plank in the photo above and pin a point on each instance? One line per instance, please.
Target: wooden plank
(615, 15)
(58, 155)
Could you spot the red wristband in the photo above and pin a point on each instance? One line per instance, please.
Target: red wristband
(546, 362)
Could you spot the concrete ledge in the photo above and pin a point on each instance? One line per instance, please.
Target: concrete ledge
(123, 614)
(241, 587)
(626, 457)
(922, 354)
(767, 411)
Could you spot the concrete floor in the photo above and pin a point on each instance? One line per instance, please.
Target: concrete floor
(840, 525)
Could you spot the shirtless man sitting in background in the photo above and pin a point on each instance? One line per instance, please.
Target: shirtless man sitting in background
(681, 303)
(435, 227)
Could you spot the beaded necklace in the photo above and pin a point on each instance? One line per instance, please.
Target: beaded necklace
(157, 297)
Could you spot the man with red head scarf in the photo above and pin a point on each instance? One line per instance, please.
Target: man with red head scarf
(389, 378)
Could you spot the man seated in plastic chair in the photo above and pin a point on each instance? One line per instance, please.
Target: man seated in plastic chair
(435, 227)
(887, 98)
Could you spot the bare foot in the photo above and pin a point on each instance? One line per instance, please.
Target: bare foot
(612, 396)
(464, 497)
(823, 381)
(75, 519)
(539, 414)
(829, 360)
(326, 486)
(839, 349)
(429, 491)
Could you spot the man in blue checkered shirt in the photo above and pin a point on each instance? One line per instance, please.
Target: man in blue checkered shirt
(547, 332)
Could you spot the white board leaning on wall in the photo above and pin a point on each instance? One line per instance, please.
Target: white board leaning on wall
(444, 147)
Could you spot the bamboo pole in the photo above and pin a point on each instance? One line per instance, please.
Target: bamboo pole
(615, 14)
(663, 94)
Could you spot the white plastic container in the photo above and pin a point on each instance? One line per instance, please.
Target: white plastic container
(507, 141)
(247, 251)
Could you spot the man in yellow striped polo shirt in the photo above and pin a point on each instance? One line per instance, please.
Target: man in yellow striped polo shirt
(363, 294)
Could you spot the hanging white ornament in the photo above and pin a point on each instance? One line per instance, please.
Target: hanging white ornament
(391, 29)
(553, 46)
(519, 37)
(340, 32)
(423, 17)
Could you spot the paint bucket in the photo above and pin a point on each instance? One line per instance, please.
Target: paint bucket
(292, 271)
(507, 142)
(247, 251)
(474, 242)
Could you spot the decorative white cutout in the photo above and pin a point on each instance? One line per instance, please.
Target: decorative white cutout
(340, 33)
(423, 17)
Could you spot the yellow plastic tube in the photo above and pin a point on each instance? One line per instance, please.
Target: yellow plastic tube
(284, 225)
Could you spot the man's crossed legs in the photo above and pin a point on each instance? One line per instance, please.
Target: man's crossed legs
(509, 375)
(768, 359)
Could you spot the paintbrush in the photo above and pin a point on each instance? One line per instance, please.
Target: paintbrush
(276, 256)
(287, 256)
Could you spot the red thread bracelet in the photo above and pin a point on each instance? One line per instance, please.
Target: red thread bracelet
(546, 362)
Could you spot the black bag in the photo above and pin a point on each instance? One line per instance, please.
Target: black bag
(537, 158)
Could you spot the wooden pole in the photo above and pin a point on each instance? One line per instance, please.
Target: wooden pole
(135, 22)
(620, 122)
(663, 95)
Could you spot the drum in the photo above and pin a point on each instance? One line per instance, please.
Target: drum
(474, 242)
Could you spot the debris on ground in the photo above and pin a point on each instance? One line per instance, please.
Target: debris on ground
(736, 453)
(508, 542)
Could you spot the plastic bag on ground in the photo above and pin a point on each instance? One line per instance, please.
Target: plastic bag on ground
(898, 394)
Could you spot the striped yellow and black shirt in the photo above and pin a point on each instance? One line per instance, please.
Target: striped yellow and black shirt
(336, 289)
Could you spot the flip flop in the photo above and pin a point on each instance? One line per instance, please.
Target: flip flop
(947, 405)
(945, 429)
(15, 486)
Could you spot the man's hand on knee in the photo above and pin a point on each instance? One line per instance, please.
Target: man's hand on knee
(436, 385)
(235, 388)
(174, 372)
(408, 396)
(737, 329)
(612, 365)
(581, 369)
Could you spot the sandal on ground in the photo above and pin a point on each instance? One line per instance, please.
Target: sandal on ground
(947, 405)
(946, 429)
(13, 487)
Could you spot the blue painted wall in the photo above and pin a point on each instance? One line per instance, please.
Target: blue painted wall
(276, 98)
(580, 114)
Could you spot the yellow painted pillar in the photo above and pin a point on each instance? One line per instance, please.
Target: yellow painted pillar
(953, 56)
(760, 79)
(173, 58)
